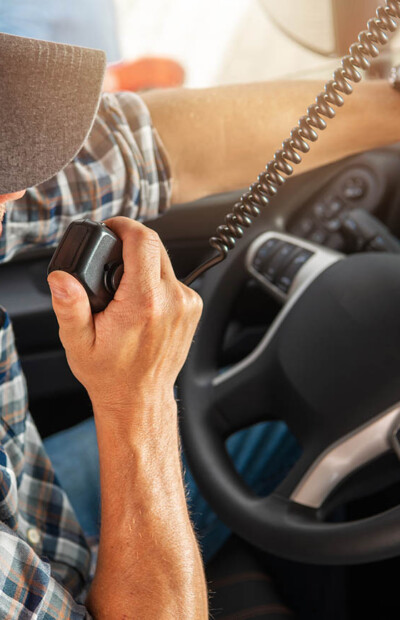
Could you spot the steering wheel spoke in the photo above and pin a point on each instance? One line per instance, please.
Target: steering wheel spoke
(242, 394)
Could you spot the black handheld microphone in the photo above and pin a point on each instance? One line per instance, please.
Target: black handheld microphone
(91, 253)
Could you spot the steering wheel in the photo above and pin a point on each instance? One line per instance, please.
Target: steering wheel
(329, 366)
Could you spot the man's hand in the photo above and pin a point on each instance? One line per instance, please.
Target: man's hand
(143, 336)
(128, 358)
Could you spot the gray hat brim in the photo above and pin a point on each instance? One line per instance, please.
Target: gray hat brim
(49, 95)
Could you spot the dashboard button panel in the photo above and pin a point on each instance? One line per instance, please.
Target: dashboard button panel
(320, 220)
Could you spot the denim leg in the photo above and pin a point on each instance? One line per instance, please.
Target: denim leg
(263, 454)
(75, 458)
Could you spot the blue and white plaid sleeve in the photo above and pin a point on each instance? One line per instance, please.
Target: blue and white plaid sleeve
(122, 169)
(28, 589)
(44, 557)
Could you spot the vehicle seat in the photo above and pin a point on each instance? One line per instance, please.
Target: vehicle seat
(239, 587)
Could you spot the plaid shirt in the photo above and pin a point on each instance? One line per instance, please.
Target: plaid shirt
(122, 170)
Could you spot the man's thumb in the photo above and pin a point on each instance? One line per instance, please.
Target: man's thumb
(72, 308)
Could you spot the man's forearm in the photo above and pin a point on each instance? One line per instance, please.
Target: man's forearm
(220, 139)
(149, 565)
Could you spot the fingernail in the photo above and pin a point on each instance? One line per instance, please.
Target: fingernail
(58, 292)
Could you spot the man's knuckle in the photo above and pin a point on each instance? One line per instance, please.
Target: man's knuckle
(180, 296)
(196, 302)
(136, 235)
(195, 297)
(188, 304)
(153, 235)
(150, 236)
(198, 305)
(184, 304)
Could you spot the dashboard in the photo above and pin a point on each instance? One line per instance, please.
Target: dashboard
(369, 184)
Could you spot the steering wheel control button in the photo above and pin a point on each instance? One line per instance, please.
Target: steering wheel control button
(265, 252)
(272, 269)
(286, 278)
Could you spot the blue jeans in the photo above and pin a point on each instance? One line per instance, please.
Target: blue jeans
(263, 454)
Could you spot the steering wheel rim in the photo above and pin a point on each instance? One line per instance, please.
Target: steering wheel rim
(276, 524)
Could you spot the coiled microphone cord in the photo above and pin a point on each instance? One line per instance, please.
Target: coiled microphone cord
(281, 166)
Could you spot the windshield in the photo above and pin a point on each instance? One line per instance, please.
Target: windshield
(233, 41)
